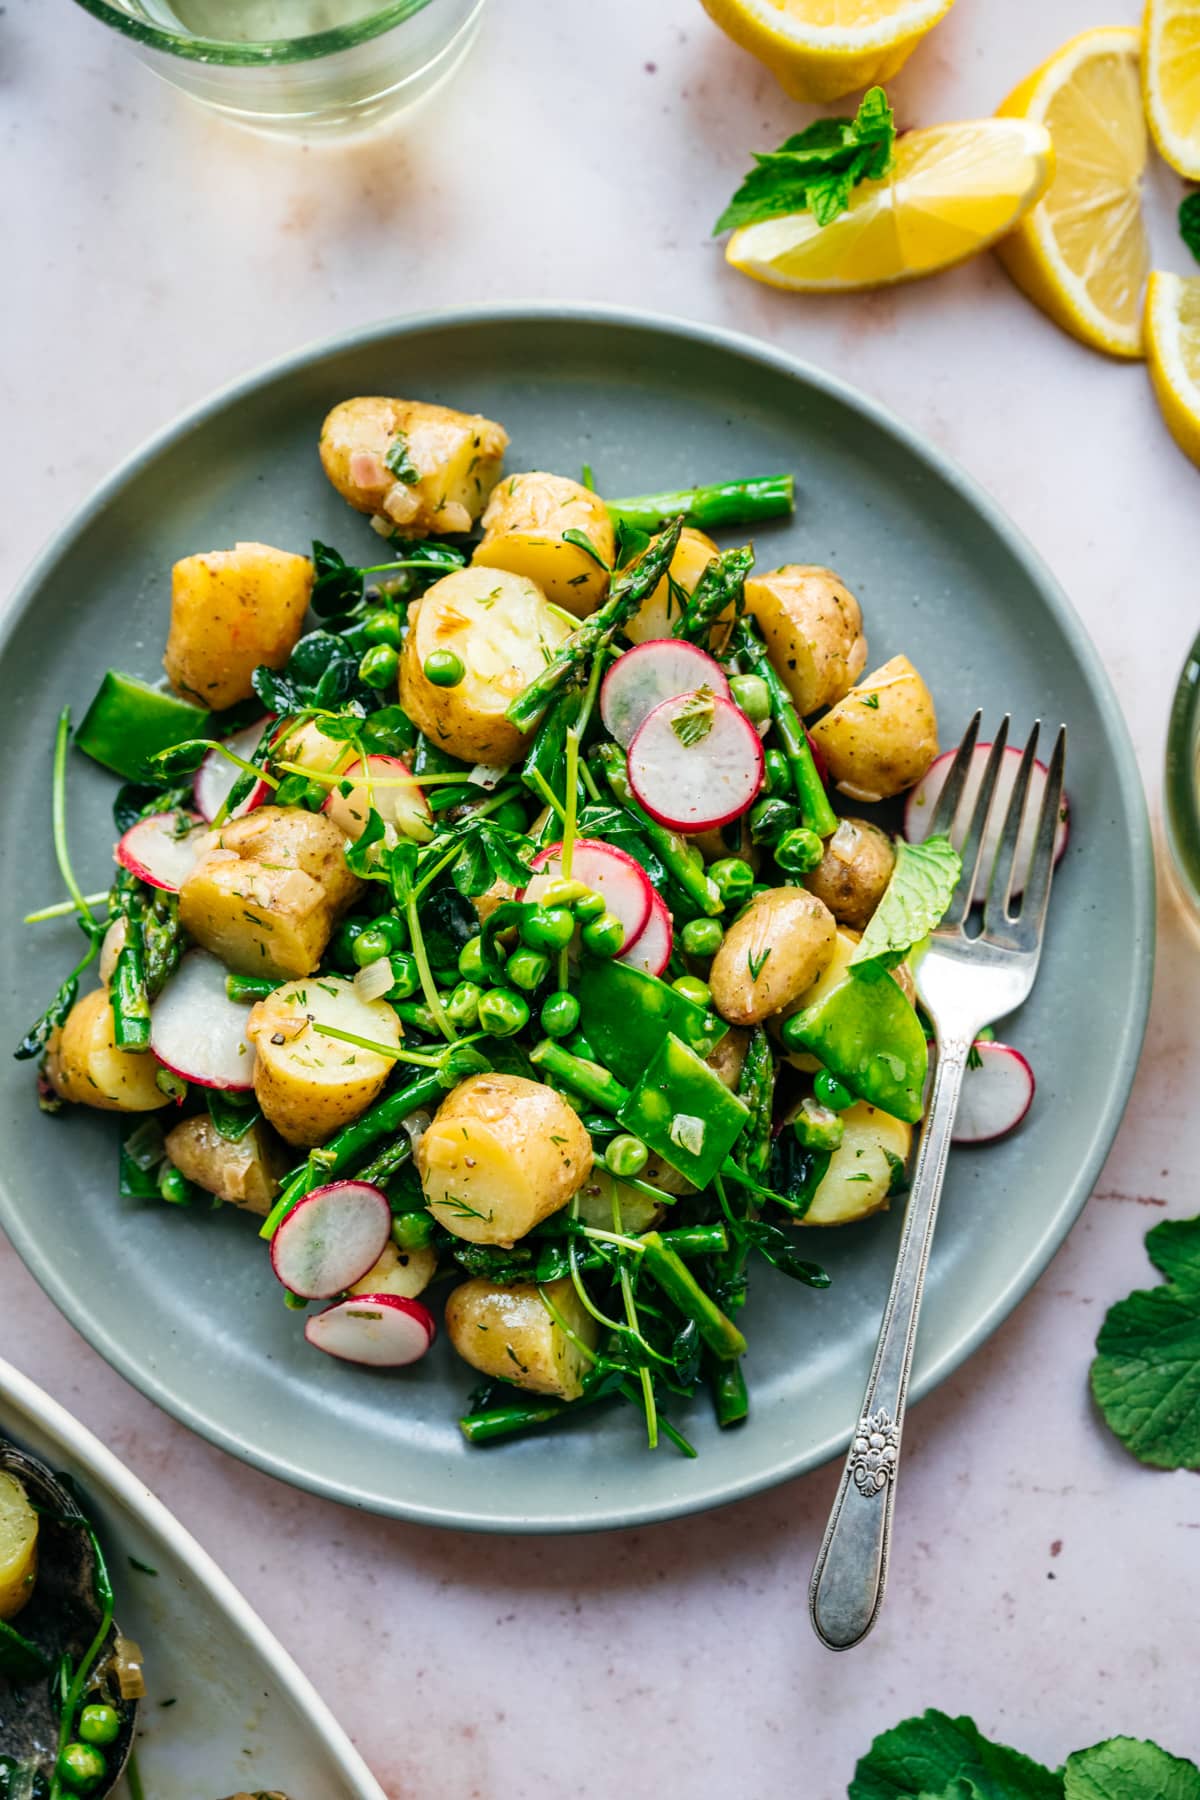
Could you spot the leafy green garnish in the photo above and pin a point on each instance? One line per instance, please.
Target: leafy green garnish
(817, 169)
(1129, 1769)
(491, 853)
(943, 1757)
(1146, 1374)
(920, 890)
(1189, 222)
(20, 1660)
(322, 671)
(694, 719)
(583, 542)
(338, 585)
(232, 1114)
(400, 462)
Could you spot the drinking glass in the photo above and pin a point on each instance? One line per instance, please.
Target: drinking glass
(306, 67)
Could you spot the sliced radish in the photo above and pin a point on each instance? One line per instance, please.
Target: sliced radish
(381, 1330)
(652, 951)
(404, 808)
(197, 1030)
(995, 1096)
(650, 673)
(919, 808)
(696, 762)
(331, 1238)
(214, 779)
(162, 849)
(623, 882)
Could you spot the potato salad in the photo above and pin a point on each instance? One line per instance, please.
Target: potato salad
(510, 914)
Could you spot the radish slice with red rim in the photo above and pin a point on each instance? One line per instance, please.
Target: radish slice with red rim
(404, 808)
(923, 798)
(650, 673)
(652, 951)
(997, 1092)
(623, 882)
(696, 762)
(381, 1331)
(162, 849)
(331, 1238)
(214, 780)
(197, 1031)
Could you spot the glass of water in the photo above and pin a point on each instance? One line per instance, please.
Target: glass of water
(306, 67)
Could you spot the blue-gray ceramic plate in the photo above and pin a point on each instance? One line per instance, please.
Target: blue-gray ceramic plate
(184, 1303)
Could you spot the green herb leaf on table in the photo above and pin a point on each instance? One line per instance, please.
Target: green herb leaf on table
(816, 170)
(1146, 1374)
(1189, 222)
(916, 897)
(940, 1756)
(1129, 1769)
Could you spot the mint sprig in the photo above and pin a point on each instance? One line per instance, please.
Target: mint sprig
(816, 170)
(921, 887)
(1146, 1375)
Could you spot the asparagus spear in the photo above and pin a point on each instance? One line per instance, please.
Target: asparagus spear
(731, 1402)
(131, 1007)
(726, 503)
(675, 851)
(815, 810)
(719, 587)
(756, 1086)
(680, 1286)
(628, 588)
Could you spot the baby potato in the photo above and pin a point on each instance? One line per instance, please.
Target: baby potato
(84, 1064)
(523, 532)
(509, 1334)
(405, 1273)
(771, 954)
(594, 1204)
(854, 871)
(244, 1171)
(882, 736)
(813, 628)
(874, 1146)
(267, 894)
(446, 462)
(18, 1546)
(503, 629)
(501, 1154)
(658, 614)
(230, 611)
(307, 1084)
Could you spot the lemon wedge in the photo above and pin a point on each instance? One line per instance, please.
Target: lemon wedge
(951, 190)
(1171, 81)
(1082, 254)
(18, 1546)
(1173, 349)
(822, 49)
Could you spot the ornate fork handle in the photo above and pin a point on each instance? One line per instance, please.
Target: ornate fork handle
(851, 1569)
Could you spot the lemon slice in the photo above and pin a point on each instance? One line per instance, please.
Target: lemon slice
(1082, 254)
(18, 1546)
(822, 49)
(1173, 348)
(952, 190)
(1171, 81)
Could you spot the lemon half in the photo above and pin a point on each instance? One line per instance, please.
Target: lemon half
(1173, 349)
(822, 49)
(1171, 81)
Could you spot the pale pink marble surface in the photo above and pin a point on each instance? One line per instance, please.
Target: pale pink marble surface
(1042, 1581)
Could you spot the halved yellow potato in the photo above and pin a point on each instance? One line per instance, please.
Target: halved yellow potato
(771, 954)
(18, 1546)
(405, 1273)
(504, 631)
(424, 468)
(244, 1171)
(813, 629)
(658, 614)
(84, 1063)
(510, 1334)
(862, 1168)
(309, 1084)
(230, 611)
(882, 736)
(523, 532)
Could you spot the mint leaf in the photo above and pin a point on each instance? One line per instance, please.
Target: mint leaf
(914, 900)
(1189, 223)
(818, 168)
(694, 719)
(1146, 1373)
(949, 1758)
(1130, 1769)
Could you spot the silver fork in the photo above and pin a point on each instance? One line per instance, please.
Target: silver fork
(965, 982)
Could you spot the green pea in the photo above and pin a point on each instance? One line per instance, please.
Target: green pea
(734, 879)
(588, 906)
(817, 1127)
(549, 928)
(174, 1187)
(380, 666)
(527, 969)
(693, 989)
(626, 1155)
(470, 959)
(777, 774)
(382, 938)
(462, 1005)
(406, 977)
(752, 694)
(381, 627)
(501, 1012)
(703, 937)
(563, 892)
(560, 1014)
(412, 1230)
(771, 818)
(99, 1724)
(798, 852)
(604, 936)
(81, 1766)
(831, 1092)
(443, 668)
(511, 816)
(341, 949)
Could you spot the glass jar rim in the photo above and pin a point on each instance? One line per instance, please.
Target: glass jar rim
(259, 54)
(1181, 787)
